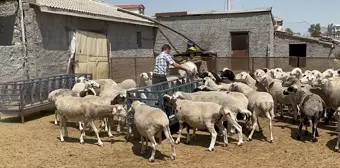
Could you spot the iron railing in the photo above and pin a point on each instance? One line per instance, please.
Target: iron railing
(18, 96)
(154, 95)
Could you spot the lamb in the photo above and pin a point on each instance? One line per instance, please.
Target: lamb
(190, 66)
(227, 73)
(80, 109)
(210, 84)
(311, 106)
(127, 84)
(108, 101)
(297, 72)
(204, 116)
(52, 97)
(332, 90)
(144, 80)
(222, 99)
(259, 102)
(151, 121)
(275, 89)
(105, 84)
(245, 77)
(212, 75)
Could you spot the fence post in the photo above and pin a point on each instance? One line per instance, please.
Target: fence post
(252, 64)
(135, 60)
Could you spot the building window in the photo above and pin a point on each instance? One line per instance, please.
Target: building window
(297, 54)
(139, 40)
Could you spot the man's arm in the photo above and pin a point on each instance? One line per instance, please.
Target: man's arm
(173, 63)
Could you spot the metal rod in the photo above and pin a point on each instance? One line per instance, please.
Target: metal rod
(158, 23)
(23, 39)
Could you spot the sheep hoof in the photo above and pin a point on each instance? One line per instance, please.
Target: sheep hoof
(177, 142)
(187, 142)
(151, 160)
(336, 149)
(82, 142)
(249, 139)
(314, 140)
(240, 144)
(173, 157)
(225, 145)
(271, 141)
(100, 144)
(210, 150)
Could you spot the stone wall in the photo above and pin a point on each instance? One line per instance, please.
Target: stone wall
(212, 32)
(48, 44)
(10, 29)
(12, 63)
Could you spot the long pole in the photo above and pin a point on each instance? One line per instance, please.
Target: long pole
(229, 4)
(23, 38)
(156, 22)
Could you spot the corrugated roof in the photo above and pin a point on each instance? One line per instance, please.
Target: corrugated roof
(236, 11)
(129, 6)
(91, 9)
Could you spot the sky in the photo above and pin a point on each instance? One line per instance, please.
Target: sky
(295, 13)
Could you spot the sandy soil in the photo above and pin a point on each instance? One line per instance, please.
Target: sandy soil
(36, 144)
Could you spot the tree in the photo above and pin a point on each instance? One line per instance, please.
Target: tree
(315, 30)
(288, 30)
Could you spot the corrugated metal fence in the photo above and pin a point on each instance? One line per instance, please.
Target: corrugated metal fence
(124, 68)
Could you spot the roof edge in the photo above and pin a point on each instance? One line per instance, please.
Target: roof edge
(312, 39)
(46, 9)
(253, 10)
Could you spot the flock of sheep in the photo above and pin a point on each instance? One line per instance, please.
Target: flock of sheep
(222, 99)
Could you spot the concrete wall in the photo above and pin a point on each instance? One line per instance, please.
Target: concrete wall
(314, 49)
(48, 44)
(9, 23)
(212, 32)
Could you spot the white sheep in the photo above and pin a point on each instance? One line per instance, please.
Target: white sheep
(210, 84)
(275, 88)
(52, 97)
(221, 98)
(82, 110)
(151, 121)
(127, 84)
(144, 80)
(311, 106)
(259, 102)
(190, 66)
(245, 77)
(200, 115)
(297, 72)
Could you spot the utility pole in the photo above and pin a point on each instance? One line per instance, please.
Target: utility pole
(229, 4)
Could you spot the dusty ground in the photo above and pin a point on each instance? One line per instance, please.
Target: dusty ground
(36, 144)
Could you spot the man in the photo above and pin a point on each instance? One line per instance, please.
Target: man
(191, 46)
(163, 61)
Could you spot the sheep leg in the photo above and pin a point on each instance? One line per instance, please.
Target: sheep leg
(179, 132)
(224, 132)
(159, 137)
(254, 122)
(167, 134)
(282, 106)
(237, 126)
(102, 125)
(65, 127)
(315, 130)
(61, 129)
(100, 143)
(109, 133)
(105, 121)
(298, 137)
(82, 134)
(270, 127)
(142, 150)
(188, 134)
(56, 117)
(118, 125)
(338, 127)
(213, 133)
(193, 134)
(258, 124)
(80, 126)
(154, 146)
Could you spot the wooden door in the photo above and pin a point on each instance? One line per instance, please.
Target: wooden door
(91, 54)
(239, 51)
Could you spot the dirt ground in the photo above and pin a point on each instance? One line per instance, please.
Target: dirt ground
(36, 144)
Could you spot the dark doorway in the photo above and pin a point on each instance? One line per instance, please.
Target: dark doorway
(240, 51)
(297, 54)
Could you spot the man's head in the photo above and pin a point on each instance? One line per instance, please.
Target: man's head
(166, 48)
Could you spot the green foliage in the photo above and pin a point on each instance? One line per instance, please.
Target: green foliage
(314, 30)
(288, 30)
